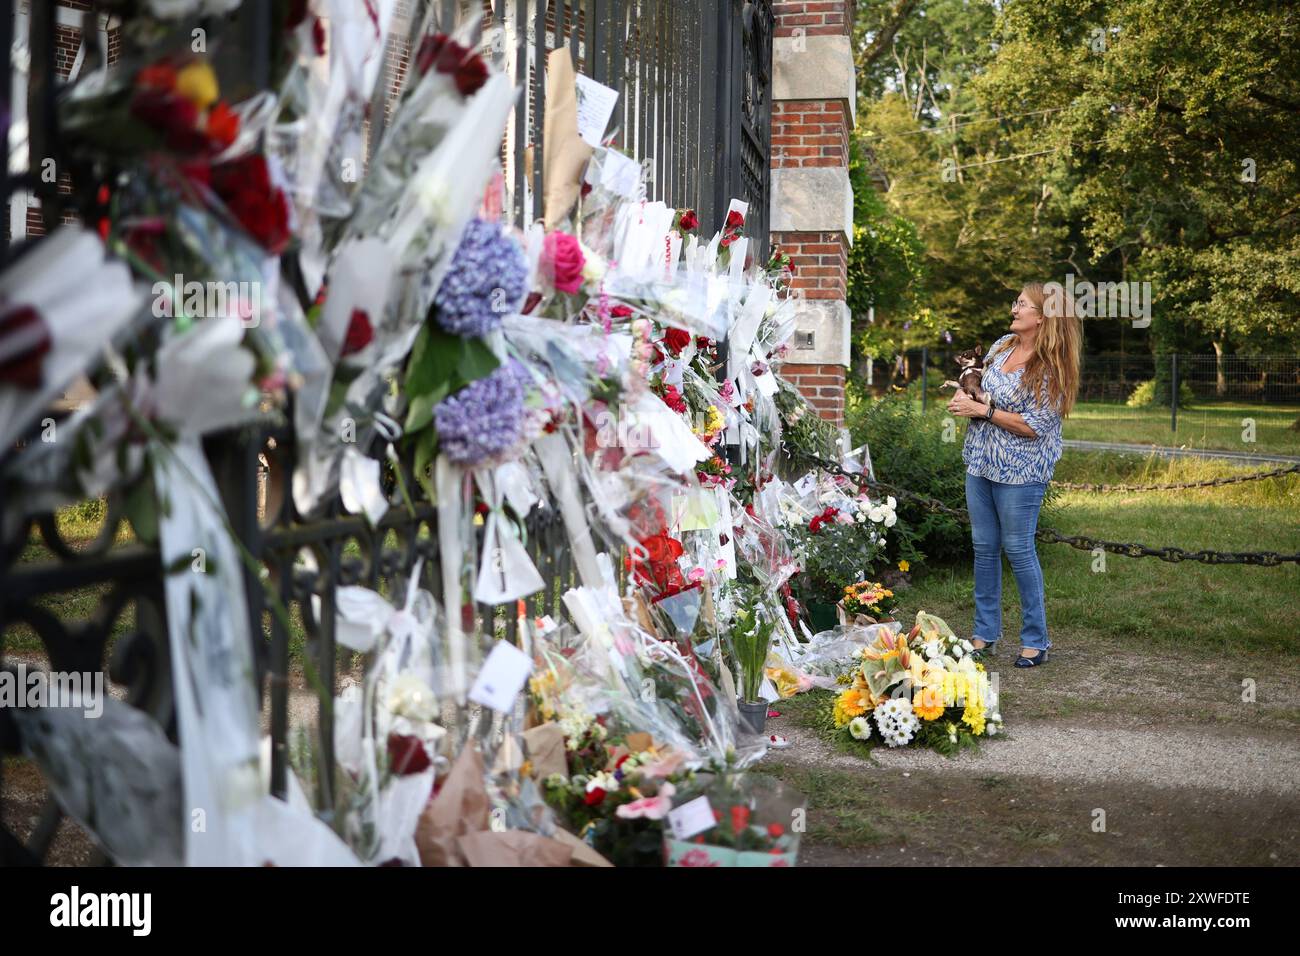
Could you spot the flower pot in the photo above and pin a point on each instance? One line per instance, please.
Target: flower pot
(753, 715)
(823, 616)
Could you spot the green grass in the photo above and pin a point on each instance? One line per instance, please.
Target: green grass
(1146, 600)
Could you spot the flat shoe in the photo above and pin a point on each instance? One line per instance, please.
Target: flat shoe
(1032, 661)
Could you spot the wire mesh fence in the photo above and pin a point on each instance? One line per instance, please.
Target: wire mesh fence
(1245, 403)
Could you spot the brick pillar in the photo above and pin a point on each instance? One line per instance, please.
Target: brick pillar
(813, 104)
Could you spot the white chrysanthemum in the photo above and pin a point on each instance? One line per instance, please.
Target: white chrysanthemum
(889, 708)
(860, 728)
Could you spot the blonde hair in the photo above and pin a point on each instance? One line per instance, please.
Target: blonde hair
(1056, 348)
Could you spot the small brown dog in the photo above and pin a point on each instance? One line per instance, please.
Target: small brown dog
(971, 377)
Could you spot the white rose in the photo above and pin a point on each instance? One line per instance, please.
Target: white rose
(891, 502)
(593, 266)
(890, 520)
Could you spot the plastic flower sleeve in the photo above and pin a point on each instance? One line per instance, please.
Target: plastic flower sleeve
(757, 821)
(53, 327)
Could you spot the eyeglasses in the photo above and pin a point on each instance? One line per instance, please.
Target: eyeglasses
(1022, 304)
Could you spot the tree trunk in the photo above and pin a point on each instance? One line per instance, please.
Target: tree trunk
(1220, 379)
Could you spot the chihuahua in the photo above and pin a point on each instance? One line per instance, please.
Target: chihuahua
(971, 377)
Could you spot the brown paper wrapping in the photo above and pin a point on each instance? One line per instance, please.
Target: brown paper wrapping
(512, 848)
(546, 752)
(583, 855)
(564, 152)
(460, 807)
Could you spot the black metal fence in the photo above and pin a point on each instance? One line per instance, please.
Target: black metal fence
(695, 85)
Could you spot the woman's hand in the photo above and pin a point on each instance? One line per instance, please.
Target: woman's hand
(963, 406)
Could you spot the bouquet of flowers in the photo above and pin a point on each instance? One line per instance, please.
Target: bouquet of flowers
(921, 687)
(734, 820)
(868, 600)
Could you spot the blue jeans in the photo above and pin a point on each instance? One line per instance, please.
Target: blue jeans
(1004, 518)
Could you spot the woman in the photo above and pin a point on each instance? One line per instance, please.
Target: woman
(1012, 445)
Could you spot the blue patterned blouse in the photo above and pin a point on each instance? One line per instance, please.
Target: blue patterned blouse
(993, 452)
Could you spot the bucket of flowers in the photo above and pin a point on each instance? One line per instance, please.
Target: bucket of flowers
(868, 602)
(733, 819)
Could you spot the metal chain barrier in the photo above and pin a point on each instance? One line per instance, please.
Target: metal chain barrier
(1207, 483)
(1079, 541)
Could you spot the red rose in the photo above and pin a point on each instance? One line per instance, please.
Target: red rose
(172, 115)
(530, 303)
(676, 339)
(562, 261)
(660, 548)
(244, 185)
(318, 35)
(26, 338)
(360, 333)
(739, 818)
(620, 311)
(594, 798)
(406, 755)
(688, 220)
(774, 830)
(447, 56)
(673, 399)
(734, 219)
(703, 342)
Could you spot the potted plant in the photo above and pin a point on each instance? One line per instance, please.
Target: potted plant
(751, 638)
(839, 546)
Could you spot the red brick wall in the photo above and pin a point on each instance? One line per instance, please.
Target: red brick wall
(810, 133)
(820, 261)
(813, 17)
(821, 385)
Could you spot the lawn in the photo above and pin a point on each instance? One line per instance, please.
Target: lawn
(1221, 607)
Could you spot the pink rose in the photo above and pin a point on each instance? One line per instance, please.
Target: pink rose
(562, 261)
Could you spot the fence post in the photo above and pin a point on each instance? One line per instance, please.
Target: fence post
(1173, 392)
(925, 360)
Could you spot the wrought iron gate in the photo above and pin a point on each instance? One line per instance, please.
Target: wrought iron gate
(695, 106)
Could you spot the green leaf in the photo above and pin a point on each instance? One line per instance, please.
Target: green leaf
(476, 360)
(420, 413)
(142, 512)
(426, 449)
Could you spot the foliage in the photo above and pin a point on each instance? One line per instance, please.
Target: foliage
(1156, 392)
(908, 450)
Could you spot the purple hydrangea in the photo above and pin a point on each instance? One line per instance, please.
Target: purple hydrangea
(487, 279)
(486, 418)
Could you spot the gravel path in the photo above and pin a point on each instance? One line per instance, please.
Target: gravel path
(1242, 761)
